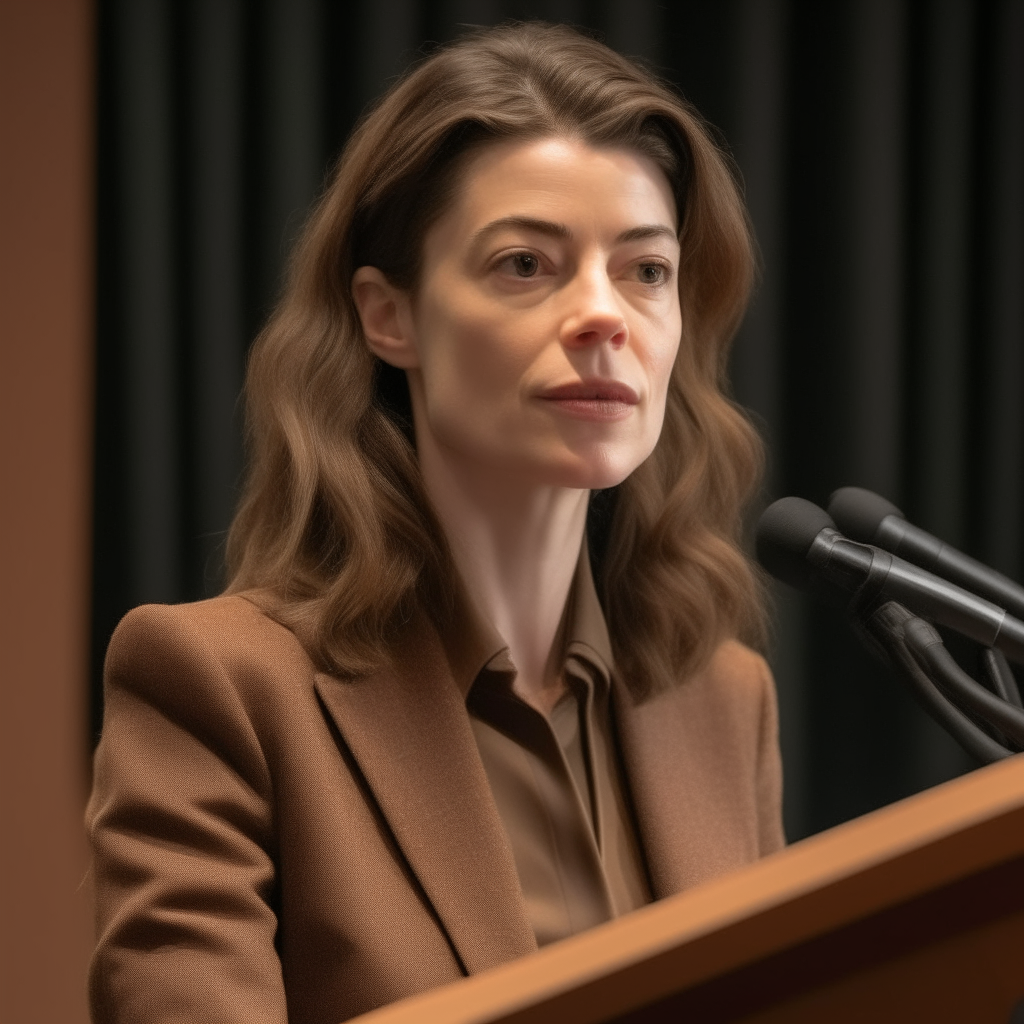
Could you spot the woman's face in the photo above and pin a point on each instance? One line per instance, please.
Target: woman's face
(541, 336)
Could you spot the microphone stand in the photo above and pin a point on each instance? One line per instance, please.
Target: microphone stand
(952, 697)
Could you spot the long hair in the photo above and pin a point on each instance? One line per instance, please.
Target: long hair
(335, 528)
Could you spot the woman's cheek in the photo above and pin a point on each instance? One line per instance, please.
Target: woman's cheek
(483, 358)
(661, 371)
(464, 394)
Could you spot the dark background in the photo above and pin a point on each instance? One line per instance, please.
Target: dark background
(882, 146)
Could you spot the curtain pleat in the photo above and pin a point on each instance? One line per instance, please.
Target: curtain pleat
(149, 311)
(213, 278)
(999, 534)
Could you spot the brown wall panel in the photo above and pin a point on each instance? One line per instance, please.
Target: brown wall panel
(46, 257)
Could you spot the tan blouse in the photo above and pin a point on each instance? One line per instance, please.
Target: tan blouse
(557, 780)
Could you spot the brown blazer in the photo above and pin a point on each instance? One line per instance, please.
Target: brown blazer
(272, 843)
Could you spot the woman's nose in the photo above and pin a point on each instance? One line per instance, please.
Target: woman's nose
(595, 316)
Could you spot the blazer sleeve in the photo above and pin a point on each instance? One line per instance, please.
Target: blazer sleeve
(182, 832)
(771, 836)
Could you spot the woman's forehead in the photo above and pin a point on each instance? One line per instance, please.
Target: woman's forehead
(559, 178)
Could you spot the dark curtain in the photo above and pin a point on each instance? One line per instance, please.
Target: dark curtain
(882, 147)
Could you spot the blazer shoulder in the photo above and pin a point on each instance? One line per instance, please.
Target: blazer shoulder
(733, 664)
(227, 636)
(228, 626)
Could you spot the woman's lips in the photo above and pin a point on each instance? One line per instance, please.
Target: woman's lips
(593, 400)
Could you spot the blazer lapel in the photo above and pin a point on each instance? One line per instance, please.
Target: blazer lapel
(409, 732)
(644, 767)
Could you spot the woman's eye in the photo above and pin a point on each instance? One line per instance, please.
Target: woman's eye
(652, 273)
(523, 264)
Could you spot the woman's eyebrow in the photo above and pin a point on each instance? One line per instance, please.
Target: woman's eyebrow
(544, 227)
(555, 230)
(646, 231)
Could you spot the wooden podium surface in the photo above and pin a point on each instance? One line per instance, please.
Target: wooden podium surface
(911, 913)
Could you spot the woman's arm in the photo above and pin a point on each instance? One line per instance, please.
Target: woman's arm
(182, 828)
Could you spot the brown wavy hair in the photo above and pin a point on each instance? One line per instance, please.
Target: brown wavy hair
(334, 527)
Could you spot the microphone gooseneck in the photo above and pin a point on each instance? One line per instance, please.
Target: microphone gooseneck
(903, 638)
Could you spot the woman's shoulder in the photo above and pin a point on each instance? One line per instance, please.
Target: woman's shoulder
(733, 664)
(738, 683)
(231, 634)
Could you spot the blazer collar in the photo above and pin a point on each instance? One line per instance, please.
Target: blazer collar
(408, 730)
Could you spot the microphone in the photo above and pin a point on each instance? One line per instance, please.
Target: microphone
(798, 543)
(867, 517)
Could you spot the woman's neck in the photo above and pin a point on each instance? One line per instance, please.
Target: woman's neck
(515, 546)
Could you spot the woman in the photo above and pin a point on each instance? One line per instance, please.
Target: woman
(415, 739)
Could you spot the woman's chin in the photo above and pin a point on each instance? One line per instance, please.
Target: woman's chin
(592, 471)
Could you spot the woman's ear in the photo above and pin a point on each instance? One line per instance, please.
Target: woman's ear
(386, 315)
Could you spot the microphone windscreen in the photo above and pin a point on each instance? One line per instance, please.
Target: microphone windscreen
(785, 532)
(858, 513)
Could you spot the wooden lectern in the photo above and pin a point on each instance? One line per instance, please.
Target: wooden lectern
(912, 913)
